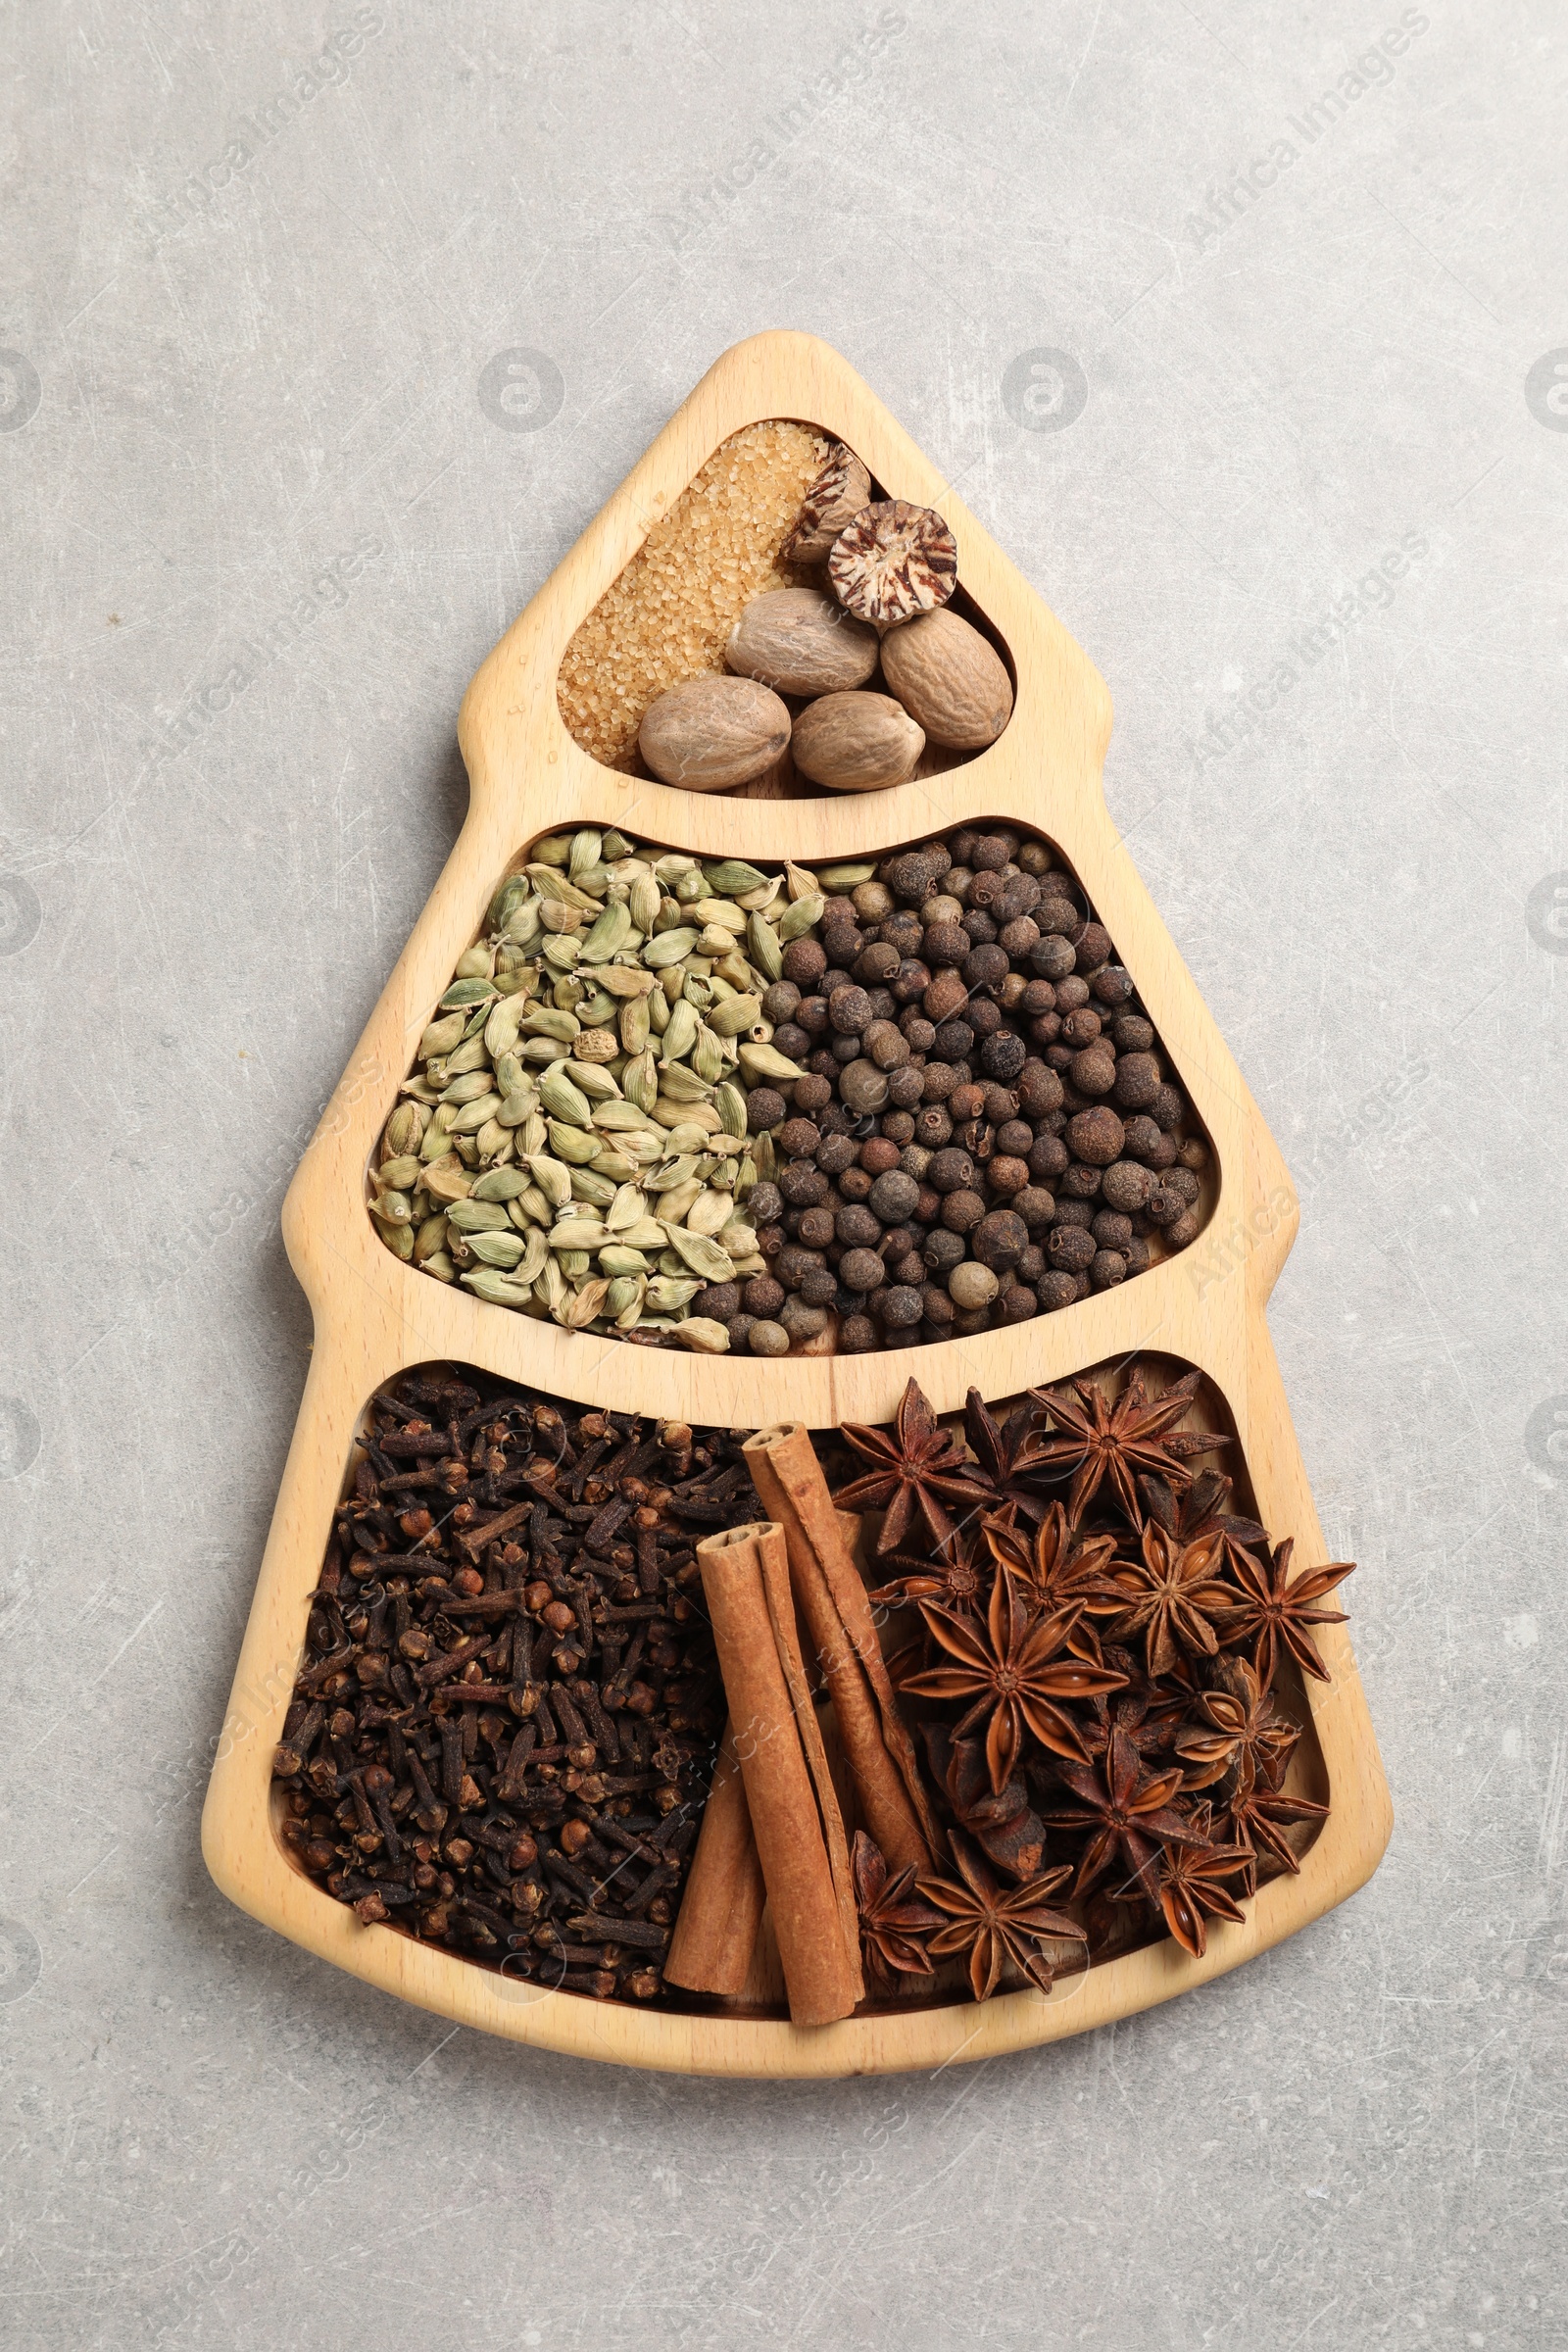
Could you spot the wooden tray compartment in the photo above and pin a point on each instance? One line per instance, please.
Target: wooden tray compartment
(1209, 1182)
(374, 1316)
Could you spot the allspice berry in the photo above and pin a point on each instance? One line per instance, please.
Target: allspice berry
(972, 1286)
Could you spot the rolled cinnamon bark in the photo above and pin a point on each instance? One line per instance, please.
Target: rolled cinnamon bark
(789, 1791)
(721, 1907)
(832, 1599)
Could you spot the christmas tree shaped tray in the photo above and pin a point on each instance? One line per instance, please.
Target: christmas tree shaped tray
(375, 1315)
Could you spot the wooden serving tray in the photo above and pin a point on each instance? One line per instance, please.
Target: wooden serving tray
(374, 1315)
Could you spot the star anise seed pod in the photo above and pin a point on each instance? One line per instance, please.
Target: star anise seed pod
(1198, 1512)
(893, 1921)
(997, 1446)
(993, 1924)
(1132, 1434)
(1258, 1818)
(1011, 1671)
(918, 1463)
(957, 1575)
(1057, 1566)
(1237, 1729)
(1126, 1811)
(1169, 1596)
(1192, 1890)
(1279, 1612)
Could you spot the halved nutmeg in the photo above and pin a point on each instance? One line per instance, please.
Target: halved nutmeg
(857, 742)
(952, 680)
(840, 491)
(710, 733)
(894, 560)
(798, 641)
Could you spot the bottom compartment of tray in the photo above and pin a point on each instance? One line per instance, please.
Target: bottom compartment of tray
(483, 1958)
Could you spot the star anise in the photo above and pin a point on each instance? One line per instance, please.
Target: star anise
(1132, 1434)
(993, 1924)
(1130, 1711)
(1002, 1823)
(998, 1446)
(957, 1574)
(1193, 1890)
(1126, 1810)
(1198, 1512)
(1279, 1611)
(1011, 1670)
(893, 1921)
(918, 1463)
(1258, 1818)
(1057, 1566)
(1169, 1596)
(1237, 1729)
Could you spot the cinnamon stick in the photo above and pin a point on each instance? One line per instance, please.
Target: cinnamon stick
(789, 1790)
(832, 1599)
(721, 1909)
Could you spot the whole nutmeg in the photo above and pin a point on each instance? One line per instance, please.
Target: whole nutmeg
(834, 498)
(950, 679)
(710, 733)
(798, 641)
(892, 560)
(856, 742)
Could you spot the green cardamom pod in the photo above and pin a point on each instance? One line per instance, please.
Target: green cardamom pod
(399, 1175)
(525, 923)
(587, 847)
(553, 1179)
(624, 1290)
(634, 1024)
(680, 1034)
(708, 1056)
(500, 1251)
(845, 877)
(701, 1333)
(767, 953)
(589, 1185)
(643, 903)
(640, 1081)
(475, 1116)
(592, 1081)
(799, 919)
(617, 847)
(730, 1104)
(667, 1293)
(571, 1144)
(733, 876)
(766, 1061)
(607, 936)
(392, 1208)
(502, 1184)
(501, 1028)
(664, 949)
(475, 963)
(508, 898)
(441, 1036)
(561, 1099)
(478, 1216)
(430, 1237)
(614, 1257)
(468, 993)
(403, 1131)
(705, 1258)
(735, 1014)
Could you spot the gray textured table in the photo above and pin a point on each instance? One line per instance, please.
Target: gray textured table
(1208, 315)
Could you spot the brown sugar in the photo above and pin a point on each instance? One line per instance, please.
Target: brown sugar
(667, 617)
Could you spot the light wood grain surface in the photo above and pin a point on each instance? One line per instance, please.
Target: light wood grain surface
(374, 1315)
